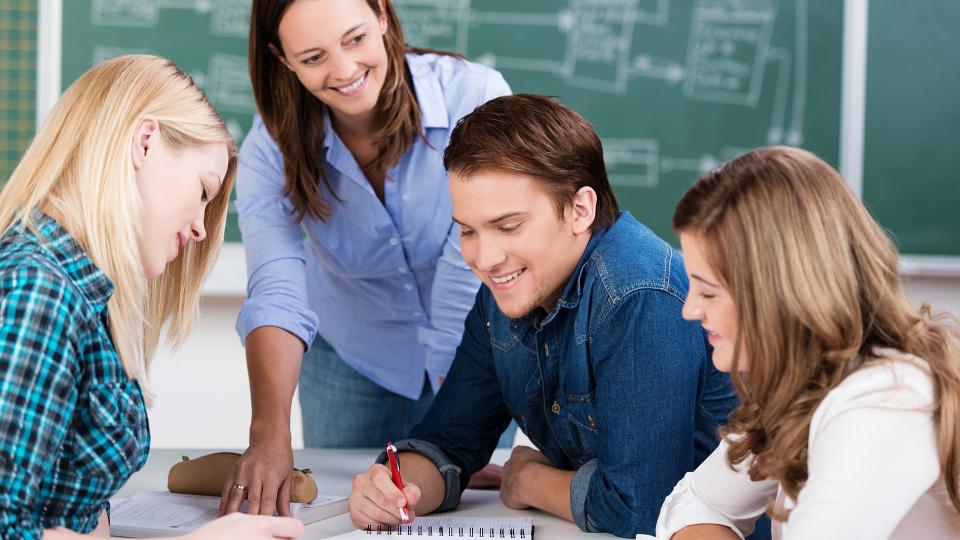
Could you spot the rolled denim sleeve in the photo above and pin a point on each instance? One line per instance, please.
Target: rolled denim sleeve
(272, 243)
(468, 415)
(448, 470)
(649, 385)
(579, 486)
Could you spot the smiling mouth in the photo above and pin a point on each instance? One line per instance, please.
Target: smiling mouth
(508, 278)
(354, 86)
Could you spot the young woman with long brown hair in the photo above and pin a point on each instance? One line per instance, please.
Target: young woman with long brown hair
(849, 423)
(356, 285)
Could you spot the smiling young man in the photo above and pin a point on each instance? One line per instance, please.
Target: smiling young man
(576, 334)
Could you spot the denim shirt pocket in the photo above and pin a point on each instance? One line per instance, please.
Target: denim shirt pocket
(112, 438)
(584, 429)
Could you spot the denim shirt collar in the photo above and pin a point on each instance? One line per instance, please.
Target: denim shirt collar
(570, 298)
(96, 287)
(433, 109)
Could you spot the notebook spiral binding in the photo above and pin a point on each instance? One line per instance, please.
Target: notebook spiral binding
(447, 532)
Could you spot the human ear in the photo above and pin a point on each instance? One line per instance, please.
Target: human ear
(279, 55)
(583, 209)
(144, 142)
(382, 19)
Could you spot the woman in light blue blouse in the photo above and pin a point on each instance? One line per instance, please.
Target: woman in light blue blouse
(356, 284)
(103, 228)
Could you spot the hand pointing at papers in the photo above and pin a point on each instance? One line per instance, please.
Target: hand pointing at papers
(264, 471)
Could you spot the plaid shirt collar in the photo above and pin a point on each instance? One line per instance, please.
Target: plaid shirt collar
(92, 282)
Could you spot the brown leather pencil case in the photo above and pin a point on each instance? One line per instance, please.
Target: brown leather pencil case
(205, 475)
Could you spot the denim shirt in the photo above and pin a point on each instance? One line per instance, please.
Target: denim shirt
(611, 383)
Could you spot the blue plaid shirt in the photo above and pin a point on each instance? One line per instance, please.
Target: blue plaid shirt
(73, 426)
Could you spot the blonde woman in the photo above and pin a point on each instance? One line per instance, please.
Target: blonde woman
(848, 426)
(103, 226)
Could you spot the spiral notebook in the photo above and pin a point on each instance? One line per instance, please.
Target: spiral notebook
(454, 527)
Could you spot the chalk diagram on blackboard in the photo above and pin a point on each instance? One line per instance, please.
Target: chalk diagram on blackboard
(728, 53)
(229, 18)
(225, 77)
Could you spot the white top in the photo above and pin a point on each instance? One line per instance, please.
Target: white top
(873, 468)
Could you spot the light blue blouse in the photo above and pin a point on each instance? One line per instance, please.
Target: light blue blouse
(383, 283)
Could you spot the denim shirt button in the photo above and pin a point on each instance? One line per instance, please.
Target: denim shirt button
(555, 408)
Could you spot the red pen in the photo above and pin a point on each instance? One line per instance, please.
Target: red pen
(397, 481)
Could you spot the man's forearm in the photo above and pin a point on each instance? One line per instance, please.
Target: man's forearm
(547, 488)
(419, 470)
(273, 364)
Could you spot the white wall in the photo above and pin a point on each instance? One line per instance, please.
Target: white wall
(203, 394)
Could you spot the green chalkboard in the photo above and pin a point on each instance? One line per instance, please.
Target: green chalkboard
(207, 38)
(911, 179)
(672, 88)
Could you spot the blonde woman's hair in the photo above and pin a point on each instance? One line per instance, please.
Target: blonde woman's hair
(80, 168)
(815, 283)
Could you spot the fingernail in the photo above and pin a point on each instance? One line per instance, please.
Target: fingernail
(401, 502)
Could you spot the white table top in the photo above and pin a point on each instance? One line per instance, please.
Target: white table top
(334, 470)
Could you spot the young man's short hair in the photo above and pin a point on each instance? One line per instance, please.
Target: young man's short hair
(535, 136)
